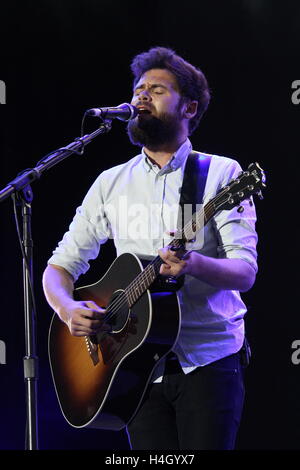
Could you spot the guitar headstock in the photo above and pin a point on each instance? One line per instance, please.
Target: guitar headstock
(248, 183)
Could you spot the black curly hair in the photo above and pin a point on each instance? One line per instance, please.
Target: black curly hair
(191, 81)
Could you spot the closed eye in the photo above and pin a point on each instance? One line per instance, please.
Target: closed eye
(158, 89)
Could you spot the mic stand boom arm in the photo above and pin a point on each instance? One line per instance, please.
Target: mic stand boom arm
(20, 187)
(28, 176)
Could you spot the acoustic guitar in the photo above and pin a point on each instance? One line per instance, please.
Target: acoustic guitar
(100, 379)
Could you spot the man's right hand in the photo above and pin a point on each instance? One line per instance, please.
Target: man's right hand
(83, 318)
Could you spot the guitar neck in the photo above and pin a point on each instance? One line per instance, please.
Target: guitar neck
(144, 280)
(248, 183)
(196, 223)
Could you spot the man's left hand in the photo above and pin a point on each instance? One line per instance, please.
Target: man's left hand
(174, 265)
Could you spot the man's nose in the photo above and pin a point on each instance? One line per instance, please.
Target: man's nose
(144, 95)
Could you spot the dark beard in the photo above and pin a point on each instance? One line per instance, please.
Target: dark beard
(152, 132)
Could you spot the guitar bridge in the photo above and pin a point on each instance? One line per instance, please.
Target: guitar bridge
(92, 348)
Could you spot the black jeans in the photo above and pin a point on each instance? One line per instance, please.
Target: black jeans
(200, 410)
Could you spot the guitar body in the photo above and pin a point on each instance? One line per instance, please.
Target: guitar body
(100, 380)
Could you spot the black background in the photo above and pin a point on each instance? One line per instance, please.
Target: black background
(59, 58)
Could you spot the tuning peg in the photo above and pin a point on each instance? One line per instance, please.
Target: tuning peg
(240, 209)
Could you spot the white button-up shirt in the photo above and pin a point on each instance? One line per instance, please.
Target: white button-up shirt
(136, 204)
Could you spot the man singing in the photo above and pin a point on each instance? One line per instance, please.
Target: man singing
(195, 398)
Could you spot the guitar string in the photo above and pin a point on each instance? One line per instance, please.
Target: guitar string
(129, 294)
(206, 211)
(136, 283)
(122, 300)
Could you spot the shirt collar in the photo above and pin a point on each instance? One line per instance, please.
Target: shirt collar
(175, 161)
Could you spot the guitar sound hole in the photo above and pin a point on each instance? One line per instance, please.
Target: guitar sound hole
(118, 311)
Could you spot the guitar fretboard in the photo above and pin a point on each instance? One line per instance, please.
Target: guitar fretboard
(144, 280)
(243, 187)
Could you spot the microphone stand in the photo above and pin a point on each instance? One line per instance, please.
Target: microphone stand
(20, 187)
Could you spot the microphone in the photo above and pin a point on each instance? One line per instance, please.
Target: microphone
(124, 112)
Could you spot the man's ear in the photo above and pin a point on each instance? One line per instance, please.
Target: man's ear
(190, 109)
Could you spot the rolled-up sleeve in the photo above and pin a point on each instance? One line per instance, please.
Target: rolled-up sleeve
(88, 230)
(237, 237)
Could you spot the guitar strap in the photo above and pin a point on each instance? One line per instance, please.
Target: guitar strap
(193, 184)
(192, 190)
